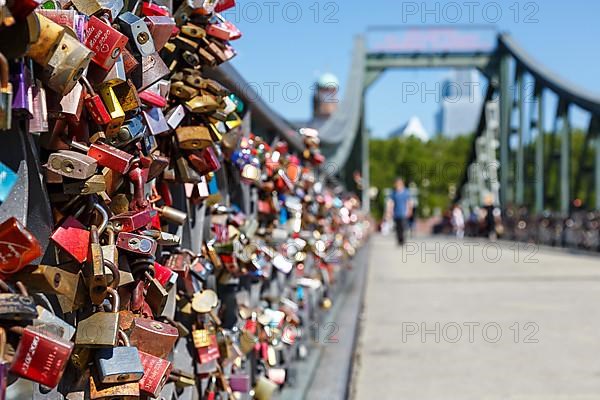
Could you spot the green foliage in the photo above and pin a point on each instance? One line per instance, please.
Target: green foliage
(435, 167)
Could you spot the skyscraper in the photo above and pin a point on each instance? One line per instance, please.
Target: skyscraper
(460, 106)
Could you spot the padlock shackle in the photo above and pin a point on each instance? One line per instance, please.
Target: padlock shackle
(116, 301)
(105, 218)
(123, 337)
(115, 272)
(88, 86)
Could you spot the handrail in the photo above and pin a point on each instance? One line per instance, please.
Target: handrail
(546, 78)
(262, 114)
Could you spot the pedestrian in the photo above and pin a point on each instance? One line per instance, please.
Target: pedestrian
(402, 208)
(458, 221)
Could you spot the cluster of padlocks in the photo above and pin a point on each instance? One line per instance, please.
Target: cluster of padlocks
(137, 148)
(581, 230)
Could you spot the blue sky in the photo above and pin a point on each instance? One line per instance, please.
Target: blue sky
(288, 44)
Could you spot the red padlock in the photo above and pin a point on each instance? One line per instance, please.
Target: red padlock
(156, 373)
(209, 353)
(73, 238)
(152, 10)
(18, 247)
(41, 358)
(152, 99)
(107, 156)
(224, 5)
(105, 41)
(204, 161)
(21, 9)
(133, 220)
(94, 104)
(138, 176)
(165, 276)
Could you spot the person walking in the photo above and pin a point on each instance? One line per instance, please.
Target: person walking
(458, 221)
(402, 208)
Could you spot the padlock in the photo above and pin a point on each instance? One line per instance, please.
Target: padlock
(132, 220)
(39, 121)
(105, 41)
(22, 102)
(155, 121)
(121, 391)
(185, 173)
(156, 373)
(114, 108)
(101, 328)
(106, 156)
(222, 29)
(209, 353)
(72, 164)
(127, 96)
(161, 29)
(202, 104)
(66, 65)
(158, 165)
(138, 175)
(134, 243)
(94, 105)
(6, 94)
(73, 238)
(156, 295)
(183, 91)
(109, 250)
(165, 276)
(46, 317)
(131, 130)
(69, 106)
(153, 69)
(240, 382)
(88, 7)
(224, 5)
(119, 364)
(95, 184)
(205, 161)
(137, 31)
(40, 357)
(153, 337)
(115, 75)
(18, 247)
(51, 34)
(175, 115)
(152, 99)
(154, 9)
(172, 215)
(16, 306)
(93, 270)
(193, 137)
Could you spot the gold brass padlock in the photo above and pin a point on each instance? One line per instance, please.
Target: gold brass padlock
(204, 103)
(182, 91)
(51, 34)
(117, 114)
(193, 137)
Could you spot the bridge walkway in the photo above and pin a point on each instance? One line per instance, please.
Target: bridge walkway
(446, 319)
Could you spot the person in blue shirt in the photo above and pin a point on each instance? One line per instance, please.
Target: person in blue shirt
(402, 208)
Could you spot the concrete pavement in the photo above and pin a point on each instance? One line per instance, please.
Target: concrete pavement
(447, 319)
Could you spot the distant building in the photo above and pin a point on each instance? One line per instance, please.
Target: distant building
(461, 104)
(413, 127)
(325, 101)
